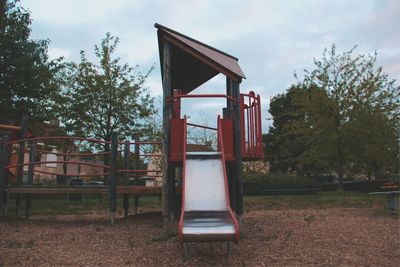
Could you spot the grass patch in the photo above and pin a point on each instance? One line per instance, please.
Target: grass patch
(90, 204)
(320, 200)
(51, 207)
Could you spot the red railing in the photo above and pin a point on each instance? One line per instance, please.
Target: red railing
(93, 165)
(250, 107)
(228, 204)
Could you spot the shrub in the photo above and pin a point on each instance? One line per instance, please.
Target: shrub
(256, 184)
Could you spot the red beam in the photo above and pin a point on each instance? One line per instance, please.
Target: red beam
(60, 161)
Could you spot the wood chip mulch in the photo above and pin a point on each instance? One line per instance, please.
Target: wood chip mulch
(285, 237)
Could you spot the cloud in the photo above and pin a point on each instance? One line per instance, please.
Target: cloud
(155, 85)
(272, 39)
(55, 52)
(76, 12)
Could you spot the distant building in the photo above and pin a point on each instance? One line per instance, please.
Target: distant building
(49, 152)
(258, 166)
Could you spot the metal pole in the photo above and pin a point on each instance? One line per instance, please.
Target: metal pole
(126, 178)
(113, 177)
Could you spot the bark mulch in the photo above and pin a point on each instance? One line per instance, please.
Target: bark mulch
(285, 237)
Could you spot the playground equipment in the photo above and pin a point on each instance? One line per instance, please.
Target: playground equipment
(391, 190)
(210, 188)
(206, 213)
(21, 159)
(212, 193)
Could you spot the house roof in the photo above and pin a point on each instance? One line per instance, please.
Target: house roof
(193, 62)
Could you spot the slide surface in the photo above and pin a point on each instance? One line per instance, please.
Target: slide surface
(206, 215)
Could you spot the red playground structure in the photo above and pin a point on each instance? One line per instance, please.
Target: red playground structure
(201, 183)
(212, 193)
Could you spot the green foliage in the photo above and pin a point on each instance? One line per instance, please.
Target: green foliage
(27, 76)
(284, 142)
(109, 97)
(342, 118)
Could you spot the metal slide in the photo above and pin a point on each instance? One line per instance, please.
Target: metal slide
(206, 214)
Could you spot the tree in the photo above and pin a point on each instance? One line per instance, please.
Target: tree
(101, 99)
(378, 153)
(283, 144)
(26, 73)
(345, 116)
(353, 85)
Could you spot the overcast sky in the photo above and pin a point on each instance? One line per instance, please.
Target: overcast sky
(272, 39)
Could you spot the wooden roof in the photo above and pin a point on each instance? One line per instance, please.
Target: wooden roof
(194, 63)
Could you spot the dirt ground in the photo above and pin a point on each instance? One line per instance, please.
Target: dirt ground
(280, 237)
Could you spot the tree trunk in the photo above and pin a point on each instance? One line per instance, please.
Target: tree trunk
(340, 179)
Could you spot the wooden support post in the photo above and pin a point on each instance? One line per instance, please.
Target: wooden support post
(28, 197)
(172, 193)
(125, 203)
(3, 172)
(167, 115)
(21, 156)
(113, 176)
(136, 166)
(229, 103)
(237, 139)
(227, 113)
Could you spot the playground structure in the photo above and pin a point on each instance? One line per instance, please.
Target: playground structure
(17, 178)
(212, 191)
(203, 189)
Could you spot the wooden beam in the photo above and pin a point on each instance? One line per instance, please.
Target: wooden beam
(141, 190)
(57, 190)
(237, 135)
(230, 172)
(9, 127)
(28, 200)
(125, 201)
(202, 58)
(135, 167)
(113, 176)
(21, 156)
(3, 170)
(228, 102)
(167, 115)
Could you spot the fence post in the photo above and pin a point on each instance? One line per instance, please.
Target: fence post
(113, 177)
(135, 166)
(126, 178)
(21, 156)
(28, 198)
